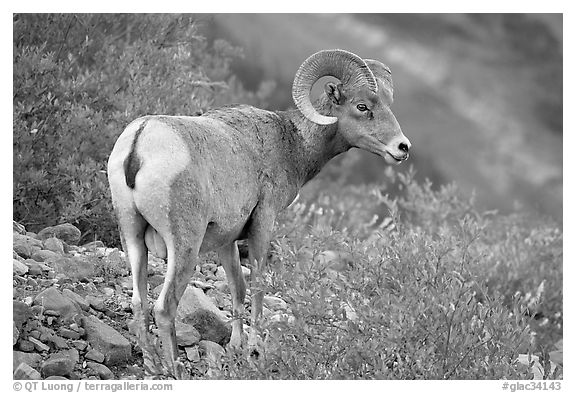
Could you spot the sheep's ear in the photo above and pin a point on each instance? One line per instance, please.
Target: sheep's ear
(333, 92)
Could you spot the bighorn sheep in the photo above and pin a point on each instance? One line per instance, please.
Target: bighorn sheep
(185, 185)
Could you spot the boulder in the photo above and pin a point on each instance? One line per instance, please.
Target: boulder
(31, 359)
(213, 354)
(192, 353)
(76, 268)
(25, 246)
(25, 345)
(96, 302)
(186, 335)
(95, 356)
(39, 346)
(100, 370)
(107, 340)
(66, 232)
(54, 244)
(68, 333)
(60, 363)
(43, 255)
(34, 268)
(195, 299)
(21, 312)
(25, 372)
(197, 309)
(19, 268)
(209, 326)
(79, 300)
(52, 299)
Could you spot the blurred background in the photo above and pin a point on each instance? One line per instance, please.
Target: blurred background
(479, 96)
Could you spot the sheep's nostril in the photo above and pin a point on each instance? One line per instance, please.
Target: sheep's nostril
(404, 147)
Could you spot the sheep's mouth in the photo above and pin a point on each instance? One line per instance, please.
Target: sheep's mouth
(395, 159)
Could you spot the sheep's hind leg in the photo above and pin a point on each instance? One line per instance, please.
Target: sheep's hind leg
(132, 237)
(230, 260)
(182, 258)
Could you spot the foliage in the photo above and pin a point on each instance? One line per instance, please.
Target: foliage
(422, 294)
(78, 81)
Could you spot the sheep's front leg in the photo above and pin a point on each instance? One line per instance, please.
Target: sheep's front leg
(230, 260)
(258, 244)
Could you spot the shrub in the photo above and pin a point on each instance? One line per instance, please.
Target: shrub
(78, 81)
(417, 295)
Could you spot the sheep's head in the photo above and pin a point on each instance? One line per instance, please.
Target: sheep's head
(360, 103)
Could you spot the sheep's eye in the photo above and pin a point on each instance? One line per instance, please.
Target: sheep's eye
(362, 107)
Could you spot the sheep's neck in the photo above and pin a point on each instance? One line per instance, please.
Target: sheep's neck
(317, 144)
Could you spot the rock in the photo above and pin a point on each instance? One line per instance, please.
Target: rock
(192, 353)
(56, 378)
(95, 356)
(19, 268)
(76, 268)
(197, 309)
(21, 312)
(43, 255)
(220, 273)
(32, 284)
(25, 346)
(79, 300)
(66, 232)
(60, 364)
(25, 246)
(97, 303)
(195, 299)
(31, 359)
(34, 268)
(38, 345)
(221, 286)
(210, 326)
(100, 370)
(107, 340)
(55, 245)
(18, 228)
(212, 351)
(52, 299)
(57, 341)
(25, 372)
(68, 333)
(274, 303)
(80, 345)
(186, 335)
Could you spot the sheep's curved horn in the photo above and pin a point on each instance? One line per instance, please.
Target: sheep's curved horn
(350, 69)
(382, 72)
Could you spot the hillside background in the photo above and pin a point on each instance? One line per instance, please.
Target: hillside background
(479, 96)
